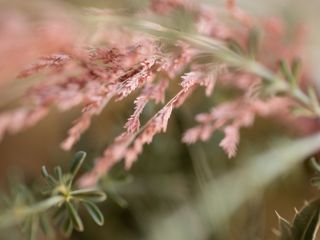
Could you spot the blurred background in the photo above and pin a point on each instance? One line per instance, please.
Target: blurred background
(168, 174)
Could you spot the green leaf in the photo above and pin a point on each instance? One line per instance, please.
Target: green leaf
(286, 71)
(118, 199)
(77, 162)
(306, 221)
(31, 228)
(46, 227)
(94, 195)
(94, 212)
(47, 176)
(67, 227)
(74, 216)
(60, 213)
(58, 173)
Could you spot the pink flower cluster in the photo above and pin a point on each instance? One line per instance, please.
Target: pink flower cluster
(93, 74)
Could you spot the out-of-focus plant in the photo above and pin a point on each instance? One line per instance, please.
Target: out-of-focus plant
(60, 206)
(142, 52)
(223, 196)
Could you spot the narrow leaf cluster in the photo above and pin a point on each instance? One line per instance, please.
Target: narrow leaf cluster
(60, 184)
(60, 208)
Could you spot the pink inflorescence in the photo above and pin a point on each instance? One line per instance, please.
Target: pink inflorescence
(91, 75)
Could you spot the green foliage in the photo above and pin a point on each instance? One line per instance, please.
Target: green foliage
(62, 198)
(60, 184)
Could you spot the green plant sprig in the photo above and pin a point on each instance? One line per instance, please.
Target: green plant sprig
(62, 198)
